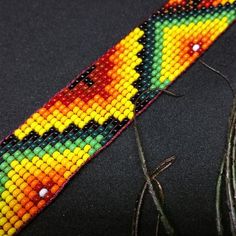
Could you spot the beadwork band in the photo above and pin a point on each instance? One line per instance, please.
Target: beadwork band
(39, 157)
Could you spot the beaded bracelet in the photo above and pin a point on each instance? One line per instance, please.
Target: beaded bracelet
(40, 157)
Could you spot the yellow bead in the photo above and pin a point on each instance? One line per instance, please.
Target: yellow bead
(12, 203)
(5, 194)
(8, 184)
(35, 159)
(23, 186)
(67, 174)
(87, 148)
(24, 162)
(10, 214)
(73, 168)
(5, 209)
(17, 132)
(11, 173)
(26, 217)
(14, 163)
(6, 227)
(12, 188)
(3, 220)
(18, 168)
(8, 198)
(80, 162)
(86, 156)
(11, 231)
(17, 207)
(18, 224)
(2, 204)
(47, 170)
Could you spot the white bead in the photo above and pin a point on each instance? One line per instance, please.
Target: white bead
(196, 47)
(43, 192)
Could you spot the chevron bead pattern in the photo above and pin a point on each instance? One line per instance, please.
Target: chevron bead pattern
(39, 157)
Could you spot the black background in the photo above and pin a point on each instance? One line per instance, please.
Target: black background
(44, 44)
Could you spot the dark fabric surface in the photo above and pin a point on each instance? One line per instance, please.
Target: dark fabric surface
(44, 44)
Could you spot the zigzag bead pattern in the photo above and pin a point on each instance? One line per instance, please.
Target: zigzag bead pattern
(39, 157)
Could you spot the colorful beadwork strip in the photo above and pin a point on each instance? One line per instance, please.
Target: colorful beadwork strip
(39, 157)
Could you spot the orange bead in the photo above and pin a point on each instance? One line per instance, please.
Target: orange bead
(41, 204)
(30, 179)
(34, 183)
(54, 189)
(26, 217)
(41, 176)
(61, 181)
(62, 171)
(45, 114)
(9, 214)
(6, 226)
(32, 194)
(17, 207)
(33, 210)
(52, 109)
(18, 224)
(21, 212)
(51, 173)
(56, 177)
(71, 106)
(20, 196)
(12, 203)
(27, 190)
(81, 104)
(45, 180)
(29, 205)
(24, 201)
(85, 108)
(14, 219)
(65, 111)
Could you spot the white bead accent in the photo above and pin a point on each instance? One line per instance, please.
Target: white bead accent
(196, 47)
(43, 192)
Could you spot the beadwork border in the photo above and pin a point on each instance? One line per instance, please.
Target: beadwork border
(117, 134)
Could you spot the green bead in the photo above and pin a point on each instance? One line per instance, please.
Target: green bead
(10, 159)
(6, 155)
(27, 152)
(51, 151)
(78, 141)
(7, 169)
(167, 82)
(158, 83)
(153, 87)
(91, 151)
(72, 147)
(82, 145)
(2, 174)
(17, 153)
(47, 148)
(97, 146)
(41, 153)
(2, 189)
(20, 157)
(58, 145)
(3, 165)
(162, 86)
(37, 150)
(31, 156)
(68, 143)
(62, 149)
(4, 179)
(99, 138)
(93, 143)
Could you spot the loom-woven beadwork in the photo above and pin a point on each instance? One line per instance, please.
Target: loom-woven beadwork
(39, 157)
